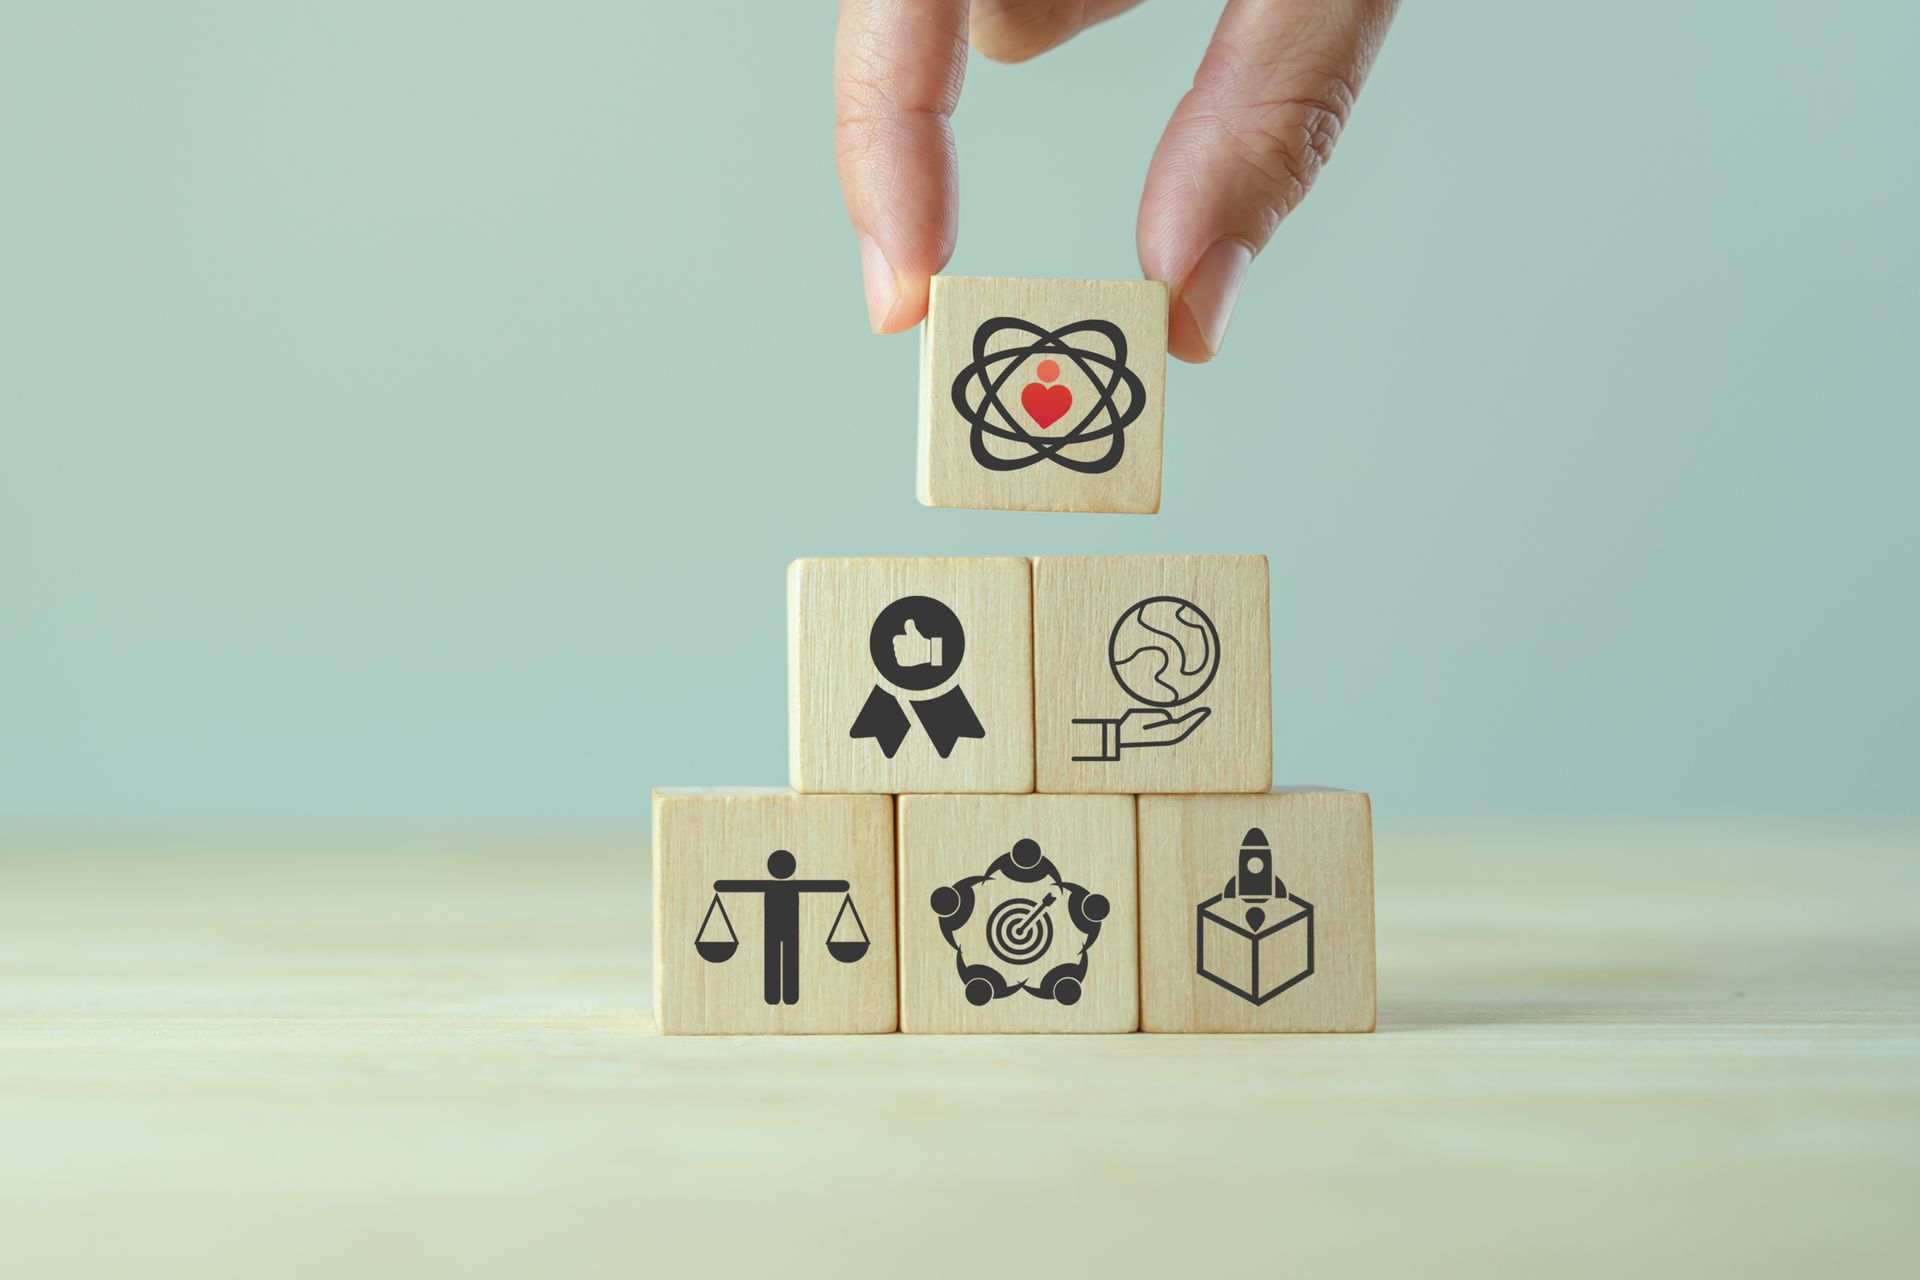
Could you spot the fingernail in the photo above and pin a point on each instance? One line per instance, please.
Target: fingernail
(1212, 288)
(883, 288)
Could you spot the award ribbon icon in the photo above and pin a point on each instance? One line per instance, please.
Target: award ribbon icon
(916, 644)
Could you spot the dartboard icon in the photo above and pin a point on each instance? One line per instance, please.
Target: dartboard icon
(1019, 927)
(1019, 930)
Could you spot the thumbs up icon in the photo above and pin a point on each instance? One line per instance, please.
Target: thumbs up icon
(911, 649)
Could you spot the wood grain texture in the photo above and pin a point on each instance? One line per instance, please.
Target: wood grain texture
(1077, 603)
(1089, 841)
(832, 606)
(1320, 843)
(1677, 1049)
(949, 473)
(706, 840)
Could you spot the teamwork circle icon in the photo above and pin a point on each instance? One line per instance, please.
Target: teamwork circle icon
(1164, 651)
(1038, 928)
(1062, 395)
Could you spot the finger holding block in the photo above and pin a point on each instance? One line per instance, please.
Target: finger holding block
(1018, 913)
(910, 675)
(773, 912)
(1043, 395)
(1256, 912)
(1151, 674)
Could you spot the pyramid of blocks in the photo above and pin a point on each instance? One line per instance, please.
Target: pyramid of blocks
(1026, 795)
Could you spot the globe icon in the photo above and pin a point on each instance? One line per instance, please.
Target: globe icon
(1164, 651)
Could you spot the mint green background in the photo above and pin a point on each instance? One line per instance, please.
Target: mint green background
(407, 410)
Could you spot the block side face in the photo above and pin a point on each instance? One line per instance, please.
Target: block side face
(1152, 674)
(923, 487)
(1307, 964)
(973, 921)
(722, 906)
(1048, 438)
(662, 1016)
(942, 702)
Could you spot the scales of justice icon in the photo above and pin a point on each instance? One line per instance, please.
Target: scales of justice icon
(717, 942)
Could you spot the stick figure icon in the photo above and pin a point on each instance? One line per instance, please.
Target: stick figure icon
(780, 926)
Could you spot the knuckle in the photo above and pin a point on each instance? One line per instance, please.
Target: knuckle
(861, 96)
(1286, 139)
(868, 125)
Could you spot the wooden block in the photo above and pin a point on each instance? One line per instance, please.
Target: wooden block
(760, 899)
(1018, 913)
(910, 675)
(1152, 674)
(1043, 395)
(1223, 948)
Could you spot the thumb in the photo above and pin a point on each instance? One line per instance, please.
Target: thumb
(1275, 89)
(912, 631)
(897, 66)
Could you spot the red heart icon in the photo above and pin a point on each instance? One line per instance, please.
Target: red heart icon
(1045, 404)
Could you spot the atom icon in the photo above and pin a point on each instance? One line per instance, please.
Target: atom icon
(1112, 396)
(1035, 922)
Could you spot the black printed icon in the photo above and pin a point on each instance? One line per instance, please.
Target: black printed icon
(1253, 937)
(1035, 933)
(716, 942)
(1163, 652)
(1017, 391)
(916, 644)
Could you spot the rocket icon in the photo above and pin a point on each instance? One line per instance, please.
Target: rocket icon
(1256, 881)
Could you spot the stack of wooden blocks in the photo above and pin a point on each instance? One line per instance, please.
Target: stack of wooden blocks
(1027, 796)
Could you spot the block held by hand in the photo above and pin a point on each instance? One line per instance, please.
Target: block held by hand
(1043, 395)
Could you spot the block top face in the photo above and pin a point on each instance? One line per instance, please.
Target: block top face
(1256, 912)
(910, 675)
(1043, 395)
(773, 913)
(1018, 913)
(1152, 674)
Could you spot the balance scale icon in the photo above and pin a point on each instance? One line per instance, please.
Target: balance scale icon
(717, 942)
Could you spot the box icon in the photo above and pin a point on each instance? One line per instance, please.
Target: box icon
(1253, 937)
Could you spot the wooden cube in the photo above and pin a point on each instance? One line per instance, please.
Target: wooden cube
(1043, 395)
(1018, 913)
(1152, 674)
(910, 675)
(773, 913)
(1256, 912)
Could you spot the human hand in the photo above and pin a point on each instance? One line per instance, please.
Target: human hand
(911, 649)
(1244, 145)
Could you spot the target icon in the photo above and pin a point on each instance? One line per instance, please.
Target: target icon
(1019, 931)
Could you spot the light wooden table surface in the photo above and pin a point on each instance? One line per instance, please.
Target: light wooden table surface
(1676, 1051)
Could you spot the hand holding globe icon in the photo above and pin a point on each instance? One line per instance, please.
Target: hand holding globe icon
(1164, 652)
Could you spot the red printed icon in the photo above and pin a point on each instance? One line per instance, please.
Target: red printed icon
(1046, 404)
